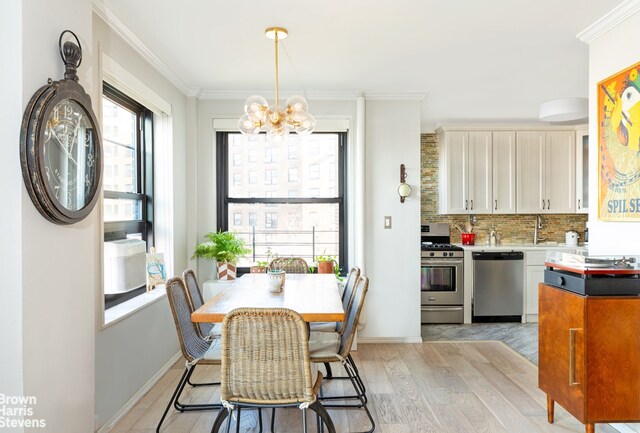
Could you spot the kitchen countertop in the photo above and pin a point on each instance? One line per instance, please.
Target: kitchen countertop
(524, 247)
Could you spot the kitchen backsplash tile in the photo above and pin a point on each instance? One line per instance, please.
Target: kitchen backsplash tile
(510, 228)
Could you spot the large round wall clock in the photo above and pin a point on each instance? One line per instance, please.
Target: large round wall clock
(60, 146)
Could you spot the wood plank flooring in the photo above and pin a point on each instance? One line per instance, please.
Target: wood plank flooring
(438, 387)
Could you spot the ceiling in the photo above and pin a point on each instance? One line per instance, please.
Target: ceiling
(489, 61)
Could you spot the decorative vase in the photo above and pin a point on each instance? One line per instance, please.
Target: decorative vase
(226, 271)
(325, 267)
(276, 281)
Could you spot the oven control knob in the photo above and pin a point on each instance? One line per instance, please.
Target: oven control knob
(432, 254)
(561, 281)
(444, 254)
(450, 254)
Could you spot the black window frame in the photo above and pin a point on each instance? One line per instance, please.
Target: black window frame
(222, 190)
(115, 230)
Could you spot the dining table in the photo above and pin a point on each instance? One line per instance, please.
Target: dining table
(315, 296)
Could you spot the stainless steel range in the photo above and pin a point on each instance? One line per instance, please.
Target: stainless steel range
(442, 277)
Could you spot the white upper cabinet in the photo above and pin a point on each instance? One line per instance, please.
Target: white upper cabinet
(582, 170)
(465, 172)
(545, 171)
(504, 171)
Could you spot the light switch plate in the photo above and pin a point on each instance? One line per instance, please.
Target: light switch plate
(387, 222)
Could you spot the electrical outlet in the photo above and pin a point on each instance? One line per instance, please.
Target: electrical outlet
(387, 222)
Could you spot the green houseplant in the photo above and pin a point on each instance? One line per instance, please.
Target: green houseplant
(225, 248)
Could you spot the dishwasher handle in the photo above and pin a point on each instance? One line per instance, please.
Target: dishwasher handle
(498, 255)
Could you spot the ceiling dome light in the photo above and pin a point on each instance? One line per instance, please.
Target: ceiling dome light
(564, 109)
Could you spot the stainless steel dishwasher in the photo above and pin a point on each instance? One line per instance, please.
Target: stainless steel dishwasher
(498, 285)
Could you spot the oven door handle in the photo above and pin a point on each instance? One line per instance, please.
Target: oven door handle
(427, 262)
(432, 308)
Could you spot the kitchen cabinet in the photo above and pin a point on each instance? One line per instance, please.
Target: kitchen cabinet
(534, 275)
(465, 172)
(545, 172)
(587, 362)
(504, 171)
(582, 170)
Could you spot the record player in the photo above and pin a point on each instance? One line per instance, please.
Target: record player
(593, 276)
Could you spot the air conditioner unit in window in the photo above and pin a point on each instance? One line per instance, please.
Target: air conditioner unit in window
(124, 265)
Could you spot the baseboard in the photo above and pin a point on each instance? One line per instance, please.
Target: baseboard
(138, 395)
(406, 340)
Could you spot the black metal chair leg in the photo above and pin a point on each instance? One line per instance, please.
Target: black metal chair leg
(324, 415)
(327, 367)
(189, 407)
(238, 420)
(219, 421)
(273, 419)
(304, 420)
(173, 397)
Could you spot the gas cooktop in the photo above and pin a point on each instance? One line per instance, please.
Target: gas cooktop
(430, 246)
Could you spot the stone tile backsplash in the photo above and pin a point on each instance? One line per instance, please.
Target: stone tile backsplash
(509, 228)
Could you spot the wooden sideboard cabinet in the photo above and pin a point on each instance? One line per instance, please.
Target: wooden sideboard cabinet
(589, 355)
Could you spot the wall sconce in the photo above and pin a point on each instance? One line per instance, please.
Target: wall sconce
(404, 190)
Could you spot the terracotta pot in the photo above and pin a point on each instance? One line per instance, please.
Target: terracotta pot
(226, 271)
(325, 267)
(258, 269)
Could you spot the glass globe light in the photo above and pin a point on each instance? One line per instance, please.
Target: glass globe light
(274, 117)
(249, 124)
(255, 105)
(297, 103)
(277, 135)
(306, 124)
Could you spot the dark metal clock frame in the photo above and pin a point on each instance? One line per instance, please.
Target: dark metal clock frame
(32, 139)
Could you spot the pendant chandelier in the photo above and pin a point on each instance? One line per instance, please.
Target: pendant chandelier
(277, 121)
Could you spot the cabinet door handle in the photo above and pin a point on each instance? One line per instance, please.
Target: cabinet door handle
(548, 204)
(496, 207)
(466, 205)
(579, 204)
(572, 356)
(471, 204)
(543, 208)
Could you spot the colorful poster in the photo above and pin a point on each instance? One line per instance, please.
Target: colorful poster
(619, 146)
(156, 273)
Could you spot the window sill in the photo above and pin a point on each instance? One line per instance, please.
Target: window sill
(127, 308)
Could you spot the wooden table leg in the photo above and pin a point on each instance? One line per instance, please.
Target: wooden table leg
(550, 407)
(590, 428)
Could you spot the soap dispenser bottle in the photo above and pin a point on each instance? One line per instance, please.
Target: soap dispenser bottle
(492, 236)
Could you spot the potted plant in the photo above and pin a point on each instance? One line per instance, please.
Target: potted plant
(225, 248)
(260, 267)
(326, 264)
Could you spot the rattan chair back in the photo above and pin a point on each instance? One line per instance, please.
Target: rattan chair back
(265, 357)
(192, 344)
(352, 315)
(291, 265)
(195, 298)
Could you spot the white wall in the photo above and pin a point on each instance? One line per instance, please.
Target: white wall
(59, 263)
(130, 352)
(11, 197)
(392, 308)
(610, 53)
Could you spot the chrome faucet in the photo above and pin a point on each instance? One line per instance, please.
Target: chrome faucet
(537, 227)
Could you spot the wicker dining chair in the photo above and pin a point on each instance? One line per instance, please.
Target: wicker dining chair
(291, 265)
(347, 299)
(195, 349)
(265, 363)
(207, 330)
(326, 347)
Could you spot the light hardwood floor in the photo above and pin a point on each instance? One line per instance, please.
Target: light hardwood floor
(447, 387)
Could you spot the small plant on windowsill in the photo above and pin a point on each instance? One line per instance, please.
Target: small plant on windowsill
(328, 265)
(260, 267)
(225, 248)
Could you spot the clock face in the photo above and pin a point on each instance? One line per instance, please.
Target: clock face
(69, 162)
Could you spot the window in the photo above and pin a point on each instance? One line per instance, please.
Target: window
(253, 177)
(237, 158)
(128, 194)
(293, 175)
(270, 177)
(301, 218)
(270, 155)
(314, 171)
(253, 155)
(237, 219)
(270, 220)
(237, 179)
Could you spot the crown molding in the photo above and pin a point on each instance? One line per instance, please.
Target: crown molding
(394, 96)
(609, 21)
(108, 16)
